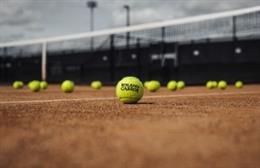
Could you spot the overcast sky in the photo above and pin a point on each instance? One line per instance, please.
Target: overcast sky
(26, 19)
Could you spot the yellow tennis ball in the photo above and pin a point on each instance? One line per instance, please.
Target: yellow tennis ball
(18, 85)
(222, 85)
(67, 86)
(180, 85)
(34, 86)
(214, 84)
(239, 84)
(43, 85)
(210, 84)
(153, 86)
(146, 84)
(172, 85)
(129, 90)
(96, 85)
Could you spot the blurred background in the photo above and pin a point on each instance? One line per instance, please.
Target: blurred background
(191, 40)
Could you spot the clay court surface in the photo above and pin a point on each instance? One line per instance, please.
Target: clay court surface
(194, 127)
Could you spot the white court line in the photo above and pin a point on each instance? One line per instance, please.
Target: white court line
(114, 98)
(201, 94)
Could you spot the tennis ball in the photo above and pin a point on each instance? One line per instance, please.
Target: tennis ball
(96, 85)
(67, 86)
(222, 85)
(43, 85)
(180, 85)
(129, 90)
(18, 85)
(34, 86)
(153, 86)
(214, 84)
(210, 85)
(146, 84)
(239, 84)
(172, 85)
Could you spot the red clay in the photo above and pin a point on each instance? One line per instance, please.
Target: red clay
(197, 129)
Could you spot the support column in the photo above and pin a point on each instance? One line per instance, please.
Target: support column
(44, 61)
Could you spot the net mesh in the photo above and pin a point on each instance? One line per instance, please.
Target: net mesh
(245, 26)
(142, 49)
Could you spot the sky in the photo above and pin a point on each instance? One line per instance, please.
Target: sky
(30, 19)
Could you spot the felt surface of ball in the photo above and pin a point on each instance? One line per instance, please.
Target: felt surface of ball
(153, 86)
(34, 86)
(129, 90)
(146, 83)
(214, 84)
(18, 85)
(210, 85)
(43, 85)
(67, 86)
(172, 85)
(239, 84)
(96, 85)
(180, 85)
(222, 85)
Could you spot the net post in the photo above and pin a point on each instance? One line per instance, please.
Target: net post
(44, 62)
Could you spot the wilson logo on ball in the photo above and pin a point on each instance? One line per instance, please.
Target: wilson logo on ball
(129, 87)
